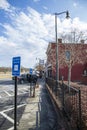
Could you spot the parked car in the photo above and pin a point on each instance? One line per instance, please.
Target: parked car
(21, 79)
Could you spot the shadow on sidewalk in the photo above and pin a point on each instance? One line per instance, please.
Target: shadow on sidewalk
(46, 118)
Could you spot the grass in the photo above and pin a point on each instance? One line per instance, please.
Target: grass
(5, 75)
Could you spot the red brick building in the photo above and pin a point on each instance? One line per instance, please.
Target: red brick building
(76, 64)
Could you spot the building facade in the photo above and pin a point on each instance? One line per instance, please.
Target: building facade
(72, 60)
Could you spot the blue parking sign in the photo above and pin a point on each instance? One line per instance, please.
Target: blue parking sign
(30, 70)
(16, 66)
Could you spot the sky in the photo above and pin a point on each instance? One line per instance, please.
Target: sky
(27, 26)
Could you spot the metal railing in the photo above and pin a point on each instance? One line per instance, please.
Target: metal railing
(71, 103)
(70, 99)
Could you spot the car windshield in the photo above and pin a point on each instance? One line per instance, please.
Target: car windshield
(23, 75)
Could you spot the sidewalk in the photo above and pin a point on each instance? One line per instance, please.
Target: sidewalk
(39, 113)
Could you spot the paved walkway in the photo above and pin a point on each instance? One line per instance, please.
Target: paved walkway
(39, 113)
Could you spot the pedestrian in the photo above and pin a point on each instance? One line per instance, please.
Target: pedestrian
(29, 78)
(33, 86)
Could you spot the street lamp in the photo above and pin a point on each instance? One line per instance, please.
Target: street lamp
(57, 64)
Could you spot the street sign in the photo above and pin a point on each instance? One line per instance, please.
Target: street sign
(16, 66)
(30, 70)
(41, 62)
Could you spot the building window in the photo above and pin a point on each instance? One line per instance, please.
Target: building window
(49, 73)
(67, 53)
(85, 72)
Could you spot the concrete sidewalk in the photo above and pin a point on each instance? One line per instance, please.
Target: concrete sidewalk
(39, 113)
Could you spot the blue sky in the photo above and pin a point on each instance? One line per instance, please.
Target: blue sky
(27, 26)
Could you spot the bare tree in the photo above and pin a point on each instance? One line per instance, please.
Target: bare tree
(78, 55)
(74, 36)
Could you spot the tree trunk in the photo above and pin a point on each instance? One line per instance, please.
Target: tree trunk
(69, 75)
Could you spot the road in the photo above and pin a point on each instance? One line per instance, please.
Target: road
(7, 102)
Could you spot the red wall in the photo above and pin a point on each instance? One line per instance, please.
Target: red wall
(63, 72)
(84, 79)
(76, 72)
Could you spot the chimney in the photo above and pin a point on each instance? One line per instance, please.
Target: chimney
(82, 41)
(59, 40)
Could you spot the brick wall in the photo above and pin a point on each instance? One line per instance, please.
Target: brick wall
(84, 79)
(78, 60)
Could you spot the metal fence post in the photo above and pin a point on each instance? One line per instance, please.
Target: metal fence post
(80, 111)
(62, 94)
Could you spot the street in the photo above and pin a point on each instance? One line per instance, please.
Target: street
(7, 103)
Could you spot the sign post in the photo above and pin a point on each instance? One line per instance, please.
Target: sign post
(15, 72)
(15, 105)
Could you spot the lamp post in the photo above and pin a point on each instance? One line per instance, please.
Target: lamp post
(68, 58)
(57, 62)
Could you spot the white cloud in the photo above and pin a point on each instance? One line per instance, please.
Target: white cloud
(29, 33)
(75, 4)
(4, 4)
(80, 25)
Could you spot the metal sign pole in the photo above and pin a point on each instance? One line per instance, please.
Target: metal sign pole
(15, 105)
(15, 72)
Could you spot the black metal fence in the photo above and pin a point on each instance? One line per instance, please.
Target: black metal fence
(70, 99)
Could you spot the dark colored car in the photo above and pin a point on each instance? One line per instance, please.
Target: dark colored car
(22, 78)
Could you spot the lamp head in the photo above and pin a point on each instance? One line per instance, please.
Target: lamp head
(67, 15)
